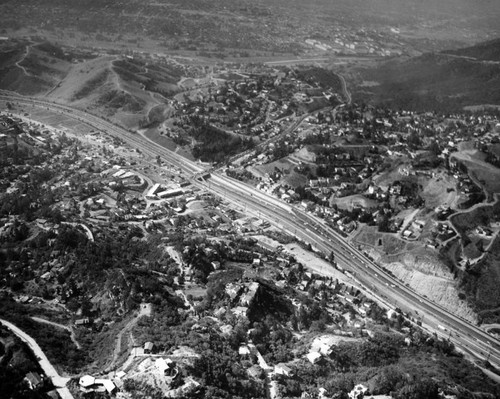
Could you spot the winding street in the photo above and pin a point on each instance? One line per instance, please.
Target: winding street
(47, 367)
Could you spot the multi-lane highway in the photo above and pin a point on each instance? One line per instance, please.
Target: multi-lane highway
(134, 139)
(467, 337)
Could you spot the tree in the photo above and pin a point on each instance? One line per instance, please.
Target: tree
(424, 389)
(434, 148)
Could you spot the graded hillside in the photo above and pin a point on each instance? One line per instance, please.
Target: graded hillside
(130, 92)
(434, 81)
(83, 82)
(117, 88)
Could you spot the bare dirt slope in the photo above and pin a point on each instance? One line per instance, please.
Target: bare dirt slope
(96, 86)
(428, 277)
(417, 266)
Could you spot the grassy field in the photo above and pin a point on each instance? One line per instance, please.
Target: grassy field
(351, 201)
(438, 190)
(384, 243)
(165, 142)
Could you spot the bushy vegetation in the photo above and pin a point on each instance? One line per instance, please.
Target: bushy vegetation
(221, 372)
(55, 343)
(320, 77)
(386, 365)
(16, 360)
(91, 85)
(488, 51)
(216, 145)
(430, 82)
(115, 99)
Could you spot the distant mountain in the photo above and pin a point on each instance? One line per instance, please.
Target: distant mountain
(446, 81)
(488, 51)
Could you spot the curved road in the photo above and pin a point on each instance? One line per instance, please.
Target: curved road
(49, 370)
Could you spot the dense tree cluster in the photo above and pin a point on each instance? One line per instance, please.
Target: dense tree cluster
(216, 145)
(221, 372)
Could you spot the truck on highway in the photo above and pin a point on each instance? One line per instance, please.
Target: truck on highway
(442, 327)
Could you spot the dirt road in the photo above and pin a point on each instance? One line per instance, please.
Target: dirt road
(61, 326)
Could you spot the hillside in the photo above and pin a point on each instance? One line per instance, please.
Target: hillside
(488, 51)
(434, 81)
(116, 87)
(30, 68)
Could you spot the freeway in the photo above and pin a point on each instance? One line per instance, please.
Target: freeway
(469, 338)
(466, 336)
(135, 140)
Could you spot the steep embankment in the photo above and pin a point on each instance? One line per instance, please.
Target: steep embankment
(429, 277)
(416, 266)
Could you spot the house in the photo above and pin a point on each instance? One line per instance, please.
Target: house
(314, 357)
(34, 380)
(233, 290)
(148, 347)
(108, 385)
(86, 381)
(137, 351)
(250, 293)
(46, 275)
(283, 369)
(120, 374)
(358, 392)
(240, 311)
(216, 265)
(164, 366)
(244, 350)
(82, 322)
